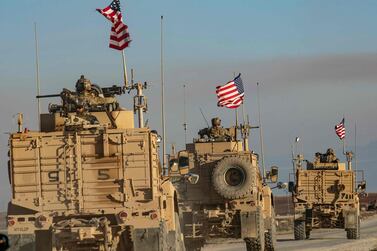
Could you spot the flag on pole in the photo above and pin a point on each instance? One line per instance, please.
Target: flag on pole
(231, 94)
(340, 130)
(119, 36)
(112, 12)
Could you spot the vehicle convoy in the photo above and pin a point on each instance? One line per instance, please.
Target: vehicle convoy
(90, 180)
(227, 196)
(325, 195)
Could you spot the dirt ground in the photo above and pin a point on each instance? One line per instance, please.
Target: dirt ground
(321, 240)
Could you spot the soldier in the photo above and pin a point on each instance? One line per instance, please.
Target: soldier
(216, 132)
(317, 157)
(331, 157)
(84, 87)
(88, 96)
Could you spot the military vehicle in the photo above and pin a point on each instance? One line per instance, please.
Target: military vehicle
(325, 195)
(90, 180)
(228, 195)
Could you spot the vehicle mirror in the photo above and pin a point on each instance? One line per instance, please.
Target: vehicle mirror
(282, 185)
(173, 165)
(183, 162)
(291, 186)
(159, 138)
(274, 174)
(362, 186)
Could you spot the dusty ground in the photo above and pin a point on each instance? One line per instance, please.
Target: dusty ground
(321, 240)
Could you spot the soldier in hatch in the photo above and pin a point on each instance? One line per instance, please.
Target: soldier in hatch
(84, 87)
(216, 132)
(317, 157)
(87, 96)
(331, 157)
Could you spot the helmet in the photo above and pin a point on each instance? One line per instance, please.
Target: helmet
(83, 84)
(216, 121)
(330, 151)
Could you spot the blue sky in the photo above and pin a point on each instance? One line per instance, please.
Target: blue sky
(316, 61)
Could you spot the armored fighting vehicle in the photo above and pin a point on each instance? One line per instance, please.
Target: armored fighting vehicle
(90, 180)
(325, 195)
(227, 195)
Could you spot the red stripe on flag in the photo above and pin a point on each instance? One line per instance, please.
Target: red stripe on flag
(119, 47)
(119, 39)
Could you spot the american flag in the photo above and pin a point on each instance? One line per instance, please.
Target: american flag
(231, 94)
(340, 130)
(119, 36)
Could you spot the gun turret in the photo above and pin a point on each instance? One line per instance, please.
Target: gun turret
(91, 100)
(106, 91)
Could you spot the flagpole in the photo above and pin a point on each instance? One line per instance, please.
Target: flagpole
(344, 139)
(124, 70)
(245, 134)
(236, 127)
(236, 111)
(243, 112)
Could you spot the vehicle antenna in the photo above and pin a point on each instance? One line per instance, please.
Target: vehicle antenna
(184, 113)
(204, 117)
(162, 101)
(37, 74)
(344, 139)
(261, 134)
(236, 113)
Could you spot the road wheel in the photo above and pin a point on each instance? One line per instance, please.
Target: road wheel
(257, 244)
(354, 233)
(254, 244)
(233, 178)
(269, 240)
(299, 230)
(270, 235)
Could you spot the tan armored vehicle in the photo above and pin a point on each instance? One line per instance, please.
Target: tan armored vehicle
(90, 180)
(325, 195)
(227, 195)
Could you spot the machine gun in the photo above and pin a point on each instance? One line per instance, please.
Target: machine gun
(112, 91)
(106, 91)
(99, 99)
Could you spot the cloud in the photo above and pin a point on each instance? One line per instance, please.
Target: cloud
(286, 72)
